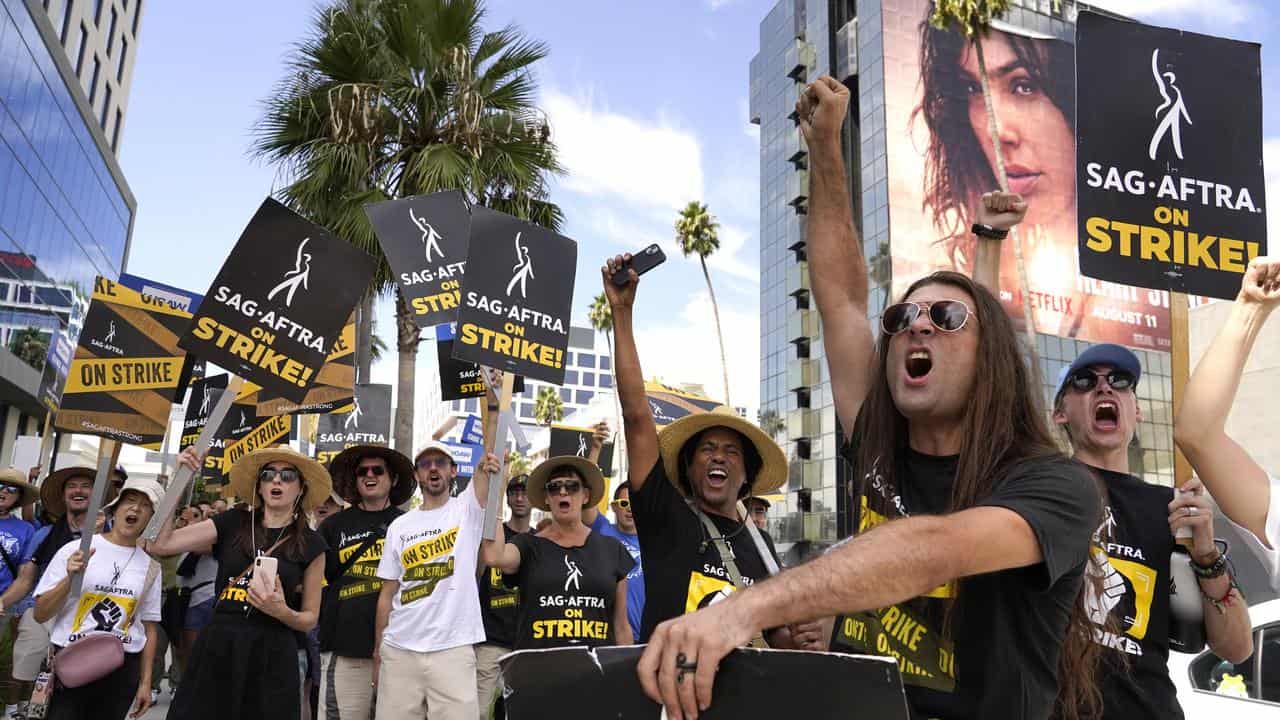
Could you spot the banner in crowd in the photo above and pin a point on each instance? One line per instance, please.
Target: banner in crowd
(335, 385)
(460, 379)
(938, 165)
(57, 363)
(669, 404)
(569, 440)
(128, 369)
(516, 297)
(201, 401)
(1169, 163)
(279, 302)
(603, 682)
(252, 431)
(467, 456)
(425, 241)
(367, 423)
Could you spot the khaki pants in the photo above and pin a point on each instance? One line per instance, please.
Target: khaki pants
(487, 676)
(30, 649)
(346, 687)
(437, 685)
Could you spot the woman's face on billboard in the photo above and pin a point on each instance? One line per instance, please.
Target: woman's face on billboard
(1035, 136)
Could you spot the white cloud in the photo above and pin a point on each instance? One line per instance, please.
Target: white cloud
(717, 4)
(1271, 163)
(684, 349)
(606, 153)
(1232, 12)
(623, 230)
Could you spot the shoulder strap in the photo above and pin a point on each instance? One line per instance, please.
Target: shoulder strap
(758, 540)
(13, 569)
(727, 558)
(368, 543)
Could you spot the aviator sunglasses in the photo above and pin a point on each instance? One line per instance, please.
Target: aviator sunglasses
(1084, 380)
(946, 315)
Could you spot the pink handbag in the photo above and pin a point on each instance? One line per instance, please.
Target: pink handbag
(97, 654)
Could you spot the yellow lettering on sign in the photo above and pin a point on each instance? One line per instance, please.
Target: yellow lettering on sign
(1156, 244)
(436, 303)
(252, 351)
(516, 347)
(270, 431)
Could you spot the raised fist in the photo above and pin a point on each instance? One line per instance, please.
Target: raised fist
(1261, 282)
(1001, 210)
(106, 614)
(821, 110)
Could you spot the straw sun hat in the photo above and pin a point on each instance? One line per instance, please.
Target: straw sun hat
(18, 479)
(51, 490)
(343, 471)
(773, 471)
(244, 475)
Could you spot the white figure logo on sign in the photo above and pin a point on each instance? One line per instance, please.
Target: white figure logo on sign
(430, 238)
(523, 269)
(1174, 109)
(299, 275)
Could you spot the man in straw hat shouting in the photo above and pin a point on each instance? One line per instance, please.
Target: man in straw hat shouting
(373, 480)
(685, 487)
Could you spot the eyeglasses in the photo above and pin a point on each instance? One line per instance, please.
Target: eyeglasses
(624, 503)
(10, 489)
(759, 511)
(431, 461)
(1084, 379)
(374, 470)
(288, 476)
(946, 315)
(568, 487)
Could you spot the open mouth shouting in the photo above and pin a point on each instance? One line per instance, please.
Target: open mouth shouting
(1106, 416)
(918, 366)
(564, 504)
(276, 493)
(130, 519)
(717, 478)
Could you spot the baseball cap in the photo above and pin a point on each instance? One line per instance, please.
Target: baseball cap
(435, 446)
(1116, 356)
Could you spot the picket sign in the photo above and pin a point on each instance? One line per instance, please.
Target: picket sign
(183, 475)
(108, 454)
(494, 442)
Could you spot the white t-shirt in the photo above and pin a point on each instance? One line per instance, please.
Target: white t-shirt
(111, 598)
(432, 554)
(1270, 557)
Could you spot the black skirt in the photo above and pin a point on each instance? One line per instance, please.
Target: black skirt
(240, 668)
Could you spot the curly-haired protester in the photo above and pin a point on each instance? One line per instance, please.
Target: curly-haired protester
(121, 591)
(573, 582)
(246, 662)
(975, 529)
(1247, 495)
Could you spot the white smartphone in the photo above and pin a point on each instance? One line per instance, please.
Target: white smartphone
(265, 568)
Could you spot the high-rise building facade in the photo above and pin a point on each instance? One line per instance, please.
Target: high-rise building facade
(897, 147)
(66, 212)
(100, 39)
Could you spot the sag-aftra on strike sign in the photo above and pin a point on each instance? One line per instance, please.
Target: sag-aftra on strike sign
(279, 302)
(425, 241)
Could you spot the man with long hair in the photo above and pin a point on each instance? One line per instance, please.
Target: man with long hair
(1097, 406)
(976, 529)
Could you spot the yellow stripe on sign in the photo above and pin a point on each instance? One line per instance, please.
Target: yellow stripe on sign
(105, 290)
(870, 519)
(271, 430)
(121, 374)
(344, 345)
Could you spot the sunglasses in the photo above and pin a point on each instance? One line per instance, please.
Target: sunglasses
(429, 462)
(374, 470)
(1084, 380)
(10, 489)
(624, 503)
(288, 476)
(556, 487)
(946, 315)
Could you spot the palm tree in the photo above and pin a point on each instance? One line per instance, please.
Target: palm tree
(517, 464)
(395, 98)
(697, 233)
(600, 315)
(973, 18)
(548, 407)
(30, 346)
(771, 422)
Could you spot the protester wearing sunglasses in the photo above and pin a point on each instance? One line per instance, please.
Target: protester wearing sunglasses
(428, 616)
(373, 481)
(974, 529)
(573, 582)
(246, 661)
(499, 606)
(1097, 406)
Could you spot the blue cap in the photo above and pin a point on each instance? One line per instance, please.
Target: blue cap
(1116, 356)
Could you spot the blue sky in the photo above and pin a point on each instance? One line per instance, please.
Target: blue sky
(649, 107)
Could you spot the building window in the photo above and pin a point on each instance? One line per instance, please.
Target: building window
(606, 381)
(106, 108)
(570, 377)
(586, 360)
(584, 396)
(84, 46)
(589, 379)
(604, 363)
(526, 411)
(111, 31)
(115, 134)
(66, 20)
(566, 395)
(93, 80)
(124, 52)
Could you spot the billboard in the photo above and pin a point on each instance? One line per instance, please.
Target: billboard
(940, 160)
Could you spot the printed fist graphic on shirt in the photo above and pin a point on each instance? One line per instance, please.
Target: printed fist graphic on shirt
(1100, 604)
(106, 614)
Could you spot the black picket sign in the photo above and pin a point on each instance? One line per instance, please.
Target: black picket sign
(280, 299)
(425, 241)
(1169, 176)
(368, 423)
(566, 440)
(460, 379)
(516, 297)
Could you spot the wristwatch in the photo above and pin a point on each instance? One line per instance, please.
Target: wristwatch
(988, 232)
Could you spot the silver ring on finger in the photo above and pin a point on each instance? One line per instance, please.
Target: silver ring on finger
(1193, 510)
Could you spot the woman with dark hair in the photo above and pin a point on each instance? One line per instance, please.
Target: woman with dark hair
(573, 582)
(246, 662)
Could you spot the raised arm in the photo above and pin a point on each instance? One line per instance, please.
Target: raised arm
(599, 436)
(496, 553)
(637, 420)
(1234, 479)
(837, 269)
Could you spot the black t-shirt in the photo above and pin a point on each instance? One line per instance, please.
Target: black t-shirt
(1000, 659)
(567, 594)
(350, 605)
(59, 534)
(498, 602)
(232, 561)
(1135, 595)
(682, 568)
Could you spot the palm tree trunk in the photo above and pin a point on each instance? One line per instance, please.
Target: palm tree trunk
(407, 338)
(987, 268)
(364, 337)
(715, 310)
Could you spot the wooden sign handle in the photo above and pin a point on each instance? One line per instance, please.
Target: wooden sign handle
(495, 440)
(46, 449)
(1181, 366)
(108, 456)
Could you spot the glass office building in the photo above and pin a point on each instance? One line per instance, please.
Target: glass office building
(873, 47)
(66, 212)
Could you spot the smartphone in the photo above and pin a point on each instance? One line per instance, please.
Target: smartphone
(642, 262)
(265, 569)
